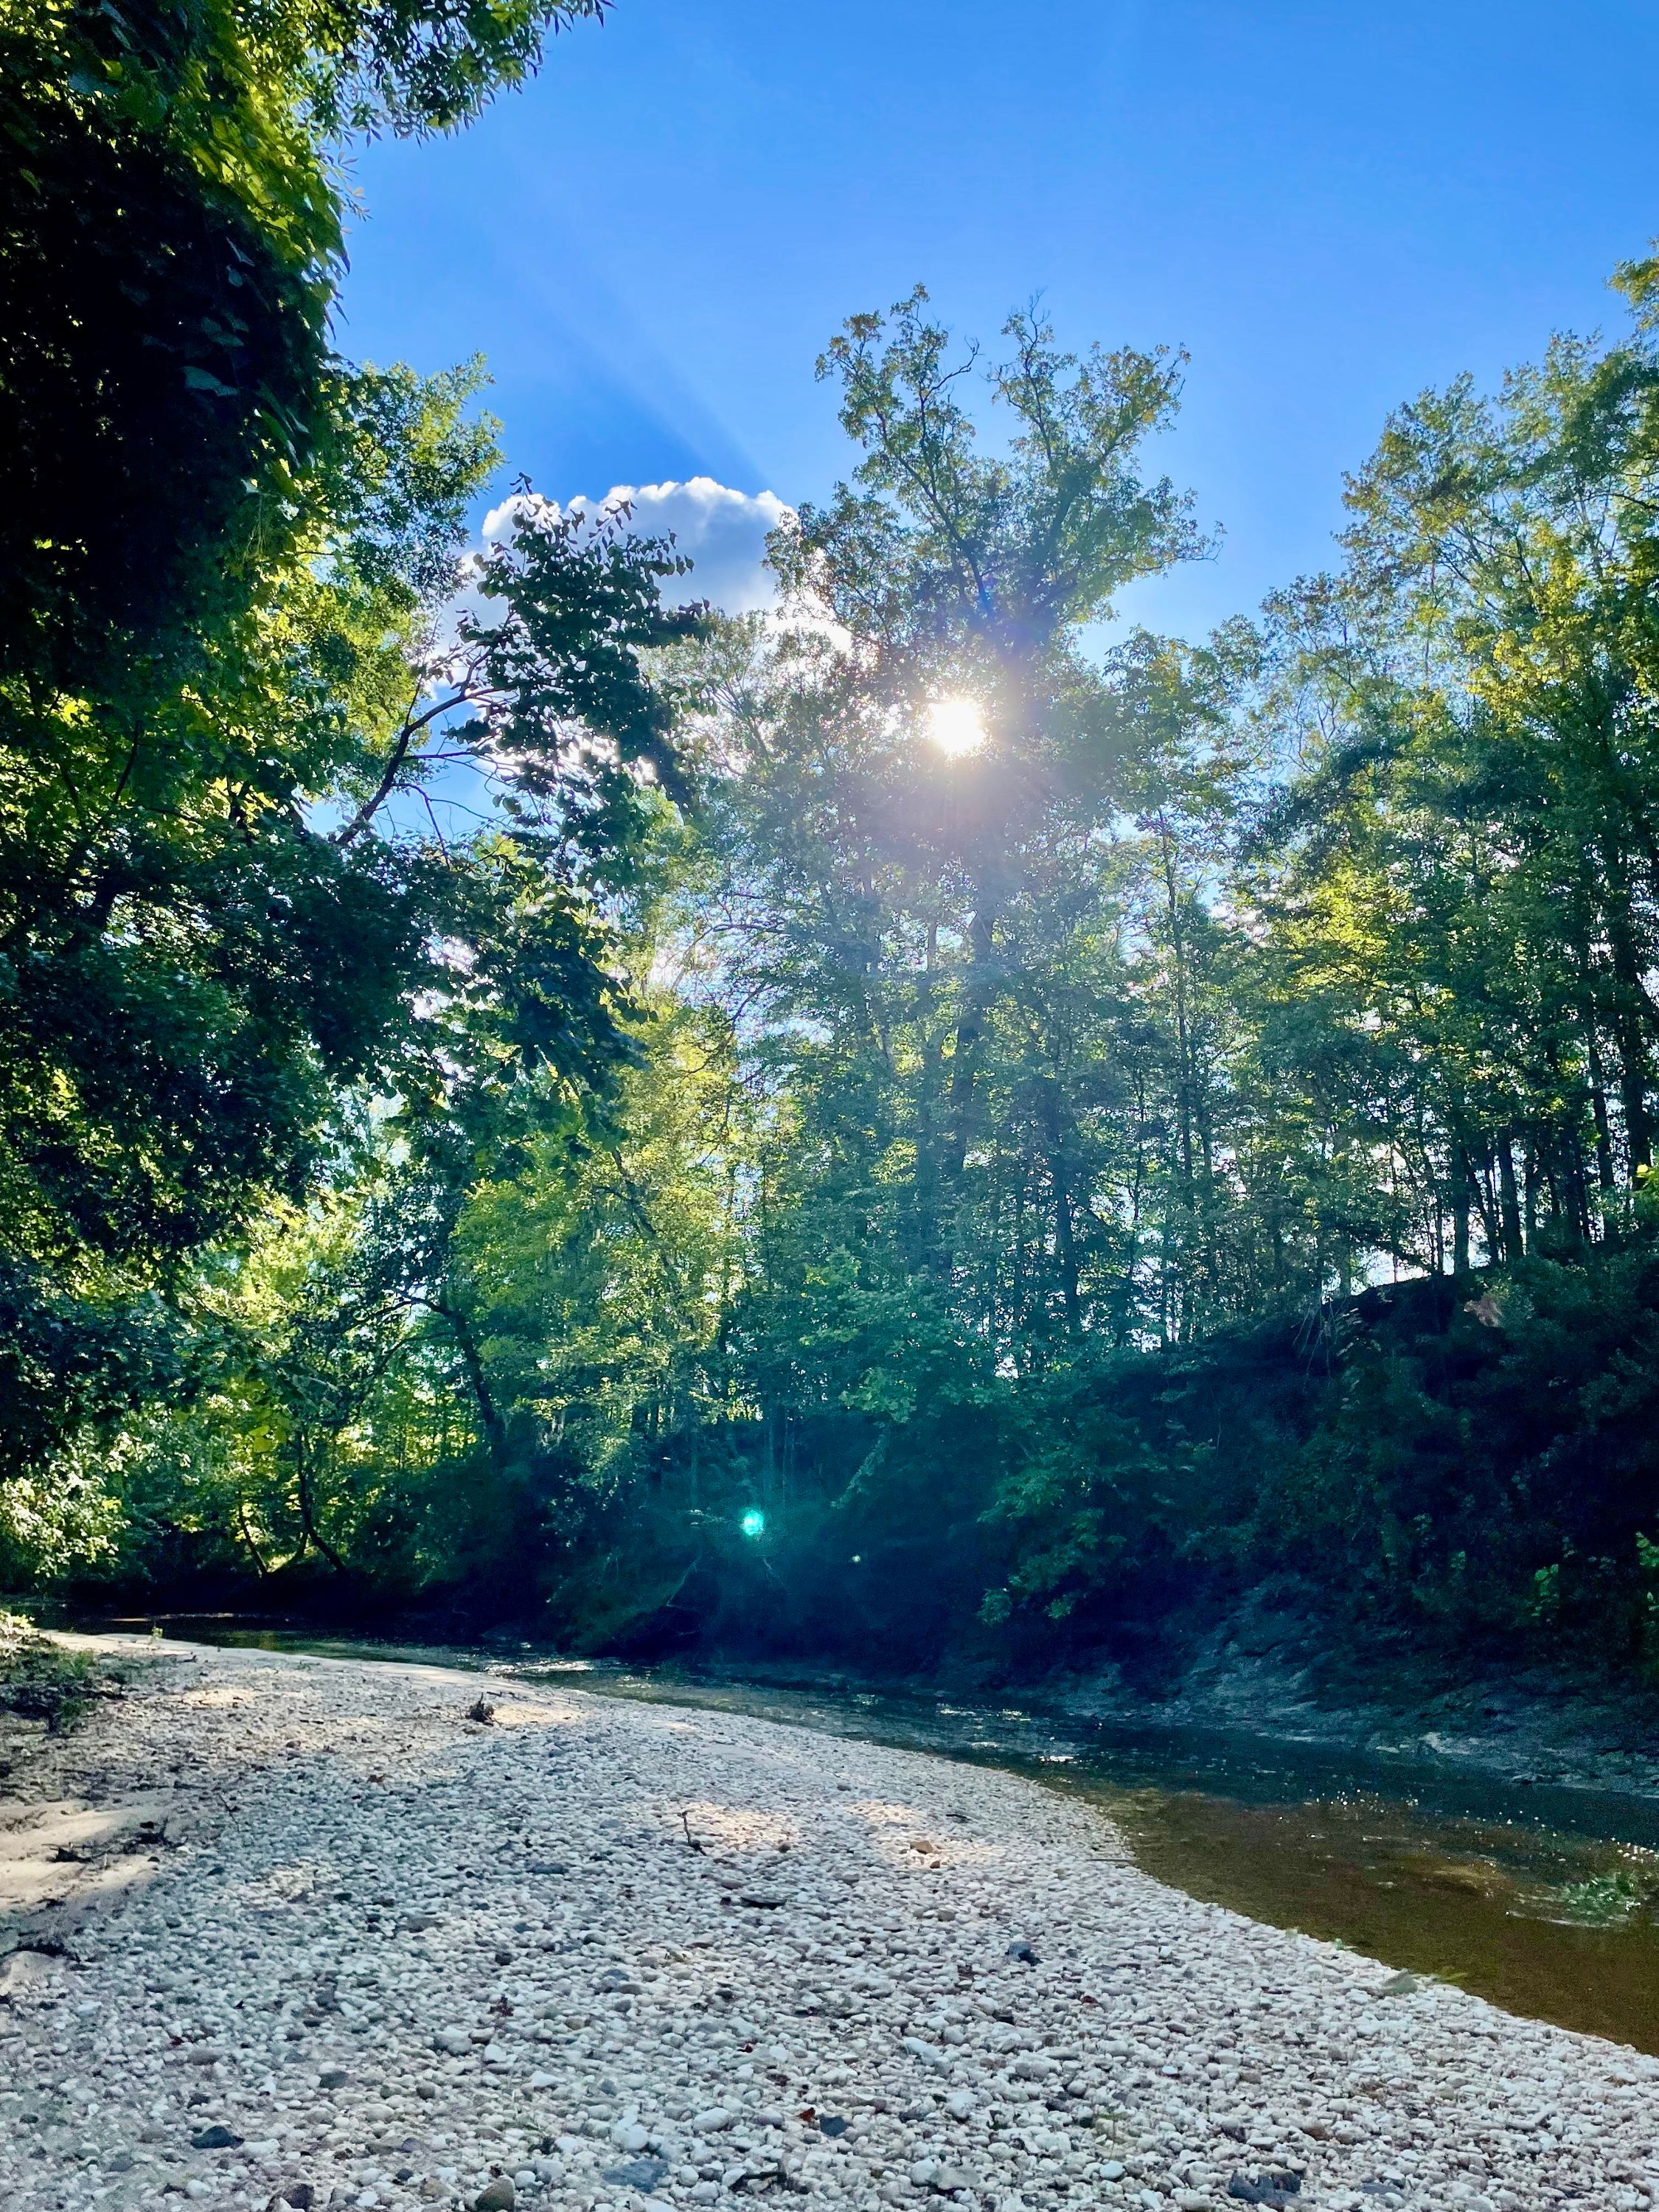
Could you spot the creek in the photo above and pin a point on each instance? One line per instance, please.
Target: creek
(1545, 1900)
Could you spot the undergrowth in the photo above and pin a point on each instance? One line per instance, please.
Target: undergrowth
(39, 1680)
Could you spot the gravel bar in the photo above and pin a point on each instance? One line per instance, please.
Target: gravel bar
(286, 1930)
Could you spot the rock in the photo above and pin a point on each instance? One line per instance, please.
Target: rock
(710, 2123)
(214, 2138)
(762, 1900)
(498, 2195)
(831, 2124)
(960, 2103)
(484, 1712)
(456, 2042)
(629, 2135)
(333, 2077)
(1275, 2188)
(1023, 1952)
(641, 2173)
(928, 2054)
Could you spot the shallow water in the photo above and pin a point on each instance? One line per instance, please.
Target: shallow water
(1545, 1901)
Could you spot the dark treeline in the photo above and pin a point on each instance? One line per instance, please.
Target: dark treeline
(921, 1126)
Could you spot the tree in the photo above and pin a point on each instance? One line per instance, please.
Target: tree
(221, 559)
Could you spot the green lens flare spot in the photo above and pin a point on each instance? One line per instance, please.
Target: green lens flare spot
(753, 1523)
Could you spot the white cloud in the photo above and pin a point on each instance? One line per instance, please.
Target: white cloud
(721, 531)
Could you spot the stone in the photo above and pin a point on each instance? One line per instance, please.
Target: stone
(710, 2122)
(333, 2077)
(928, 2054)
(1274, 2188)
(214, 2138)
(455, 2042)
(641, 2173)
(497, 2196)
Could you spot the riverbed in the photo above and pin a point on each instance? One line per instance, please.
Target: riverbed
(1545, 1901)
(376, 1941)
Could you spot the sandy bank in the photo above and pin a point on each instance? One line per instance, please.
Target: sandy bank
(320, 1932)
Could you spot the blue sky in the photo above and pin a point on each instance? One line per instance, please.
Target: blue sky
(1330, 207)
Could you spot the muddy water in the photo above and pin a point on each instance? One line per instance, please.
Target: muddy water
(1545, 1901)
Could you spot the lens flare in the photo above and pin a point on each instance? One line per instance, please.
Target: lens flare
(753, 1523)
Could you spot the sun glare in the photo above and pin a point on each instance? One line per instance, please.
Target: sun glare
(954, 727)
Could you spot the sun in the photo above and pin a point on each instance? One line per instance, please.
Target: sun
(956, 726)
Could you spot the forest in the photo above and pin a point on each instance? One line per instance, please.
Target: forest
(930, 1126)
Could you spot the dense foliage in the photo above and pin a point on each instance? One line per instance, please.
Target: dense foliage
(918, 1126)
(225, 562)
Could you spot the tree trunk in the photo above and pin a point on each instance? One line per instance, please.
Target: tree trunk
(1460, 1197)
(466, 1343)
(970, 1031)
(1508, 1198)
